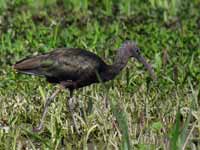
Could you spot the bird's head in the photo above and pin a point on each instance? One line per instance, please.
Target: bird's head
(132, 50)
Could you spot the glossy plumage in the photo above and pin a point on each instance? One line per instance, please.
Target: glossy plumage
(74, 68)
(65, 64)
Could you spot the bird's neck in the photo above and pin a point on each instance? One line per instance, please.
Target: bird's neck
(113, 70)
(119, 63)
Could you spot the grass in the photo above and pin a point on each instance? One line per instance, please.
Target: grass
(143, 114)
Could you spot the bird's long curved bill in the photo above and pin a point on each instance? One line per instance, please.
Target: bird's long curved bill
(147, 66)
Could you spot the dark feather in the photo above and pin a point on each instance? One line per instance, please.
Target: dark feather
(63, 64)
(77, 66)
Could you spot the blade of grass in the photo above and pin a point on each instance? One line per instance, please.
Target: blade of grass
(122, 121)
(187, 138)
(175, 133)
(36, 137)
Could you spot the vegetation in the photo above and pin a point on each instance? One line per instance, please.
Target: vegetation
(142, 114)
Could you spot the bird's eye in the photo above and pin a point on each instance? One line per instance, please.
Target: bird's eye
(138, 50)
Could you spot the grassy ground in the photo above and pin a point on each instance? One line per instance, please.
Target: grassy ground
(143, 114)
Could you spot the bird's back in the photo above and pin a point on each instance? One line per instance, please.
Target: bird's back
(63, 64)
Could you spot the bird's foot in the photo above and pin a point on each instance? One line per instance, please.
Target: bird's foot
(37, 129)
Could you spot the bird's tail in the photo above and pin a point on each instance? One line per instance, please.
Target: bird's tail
(29, 65)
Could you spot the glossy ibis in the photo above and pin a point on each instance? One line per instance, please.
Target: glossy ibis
(74, 68)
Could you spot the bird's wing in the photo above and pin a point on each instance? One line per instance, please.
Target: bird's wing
(62, 64)
(74, 64)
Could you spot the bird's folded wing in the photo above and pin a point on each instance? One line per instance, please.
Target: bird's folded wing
(62, 64)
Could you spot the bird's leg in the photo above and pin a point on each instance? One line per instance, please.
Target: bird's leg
(48, 102)
(71, 109)
(106, 101)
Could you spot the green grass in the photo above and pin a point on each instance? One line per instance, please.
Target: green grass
(143, 114)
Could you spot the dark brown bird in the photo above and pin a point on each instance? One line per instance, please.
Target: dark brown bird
(74, 68)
